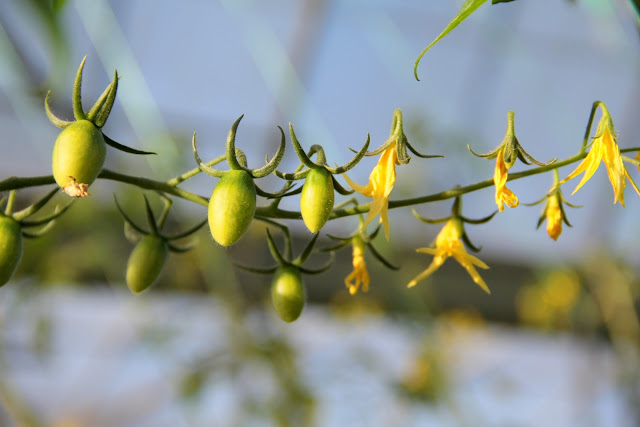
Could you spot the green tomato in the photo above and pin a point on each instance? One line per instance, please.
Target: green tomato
(146, 262)
(78, 155)
(10, 247)
(231, 207)
(316, 200)
(288, 293)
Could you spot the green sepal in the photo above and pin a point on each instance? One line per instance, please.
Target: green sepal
(124, 148)
(188, 232)
(478, 221)
(46, 219)
(490, 155)
(151, 220)
(343, 242)
(292, 176)
(380, 258)
(339, 188)
(527, 159)
(99, 104)
(424, 156)
(56, 121)
(429, 221)
(564, 216)
(304, 159)
(295, 191)
(470, 245)
(281, 193)
(104, 111)
(543, 216)
(203, 166)
(268, 270)
(274, 250)
(570, 204)
(273, 164)
(319, 270)
(127, 219)
(36, 234)
(76, 95)
(545, 197)
(232, 160)
(285, 231)
(306, 252)
(354, 161)
(26, 212)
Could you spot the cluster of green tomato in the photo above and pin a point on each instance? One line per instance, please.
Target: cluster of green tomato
(78, 158)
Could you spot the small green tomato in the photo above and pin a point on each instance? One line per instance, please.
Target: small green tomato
(146, 262)
(10, 247)
(316, 200)
(78, 156)
(232, 207)
(288, 293)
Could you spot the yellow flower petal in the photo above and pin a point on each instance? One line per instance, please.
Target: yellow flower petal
(604, 148)
(503, 194)
(553, 214)
(448, 244)
(381, 182)
(359, 275)
(435, 264)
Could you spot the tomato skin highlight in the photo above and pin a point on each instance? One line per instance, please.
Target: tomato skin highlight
(79, 153)
(10, 247)
(146, 262)
(287, 293)
(316, 200)
(232, 207)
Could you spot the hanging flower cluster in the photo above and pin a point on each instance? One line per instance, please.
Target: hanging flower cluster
(79, 155)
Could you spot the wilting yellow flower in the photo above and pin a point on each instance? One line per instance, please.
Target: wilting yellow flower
(448, 244)
(553, 212)
(359, 275)
(503, 194)
(604, 148)
(381, 182)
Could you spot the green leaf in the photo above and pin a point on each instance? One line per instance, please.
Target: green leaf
(467, 9)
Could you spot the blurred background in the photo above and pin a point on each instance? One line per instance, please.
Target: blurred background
(557, 342)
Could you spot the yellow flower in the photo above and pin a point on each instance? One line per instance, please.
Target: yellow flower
(604, 148)
(503, 194)
(381, 182)
(553, 212)
(448, 244)
(359, 275)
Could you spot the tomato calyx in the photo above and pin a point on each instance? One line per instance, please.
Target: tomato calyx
(460, 219)
(148, 257)
(287, 290)
(84, 138)
(134, 232)
(398, 137)
(360, 237)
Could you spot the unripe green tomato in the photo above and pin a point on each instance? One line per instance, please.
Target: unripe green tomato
(288, 293)
(10, 247)
(231, 207)
(316, 200)
(146, 262)
(78, 153)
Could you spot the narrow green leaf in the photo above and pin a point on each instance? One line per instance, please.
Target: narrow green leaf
(467, 9)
